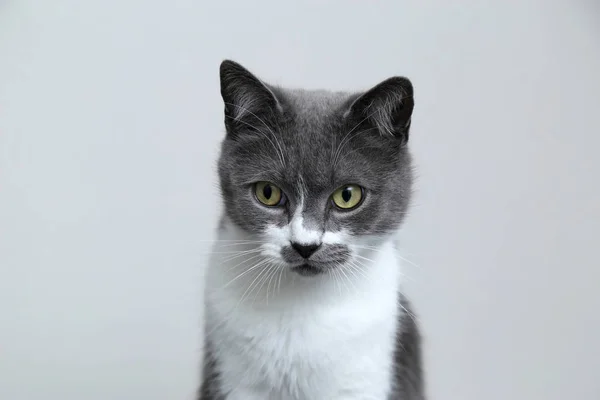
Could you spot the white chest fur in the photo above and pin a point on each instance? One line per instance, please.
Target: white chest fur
(323, 337)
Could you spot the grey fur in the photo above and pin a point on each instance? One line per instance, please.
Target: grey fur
(309, 143)
(409, 383)
(210, 388)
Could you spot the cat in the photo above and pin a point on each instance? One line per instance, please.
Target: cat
(302, 296)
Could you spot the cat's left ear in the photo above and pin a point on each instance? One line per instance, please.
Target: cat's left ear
(388, 106)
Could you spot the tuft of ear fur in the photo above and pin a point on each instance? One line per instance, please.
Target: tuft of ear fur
(388, 106)
(247, 99)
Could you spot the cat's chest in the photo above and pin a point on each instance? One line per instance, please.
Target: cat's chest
(304, 356)
(291, 340)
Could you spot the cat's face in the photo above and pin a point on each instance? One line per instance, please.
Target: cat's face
(314, 176)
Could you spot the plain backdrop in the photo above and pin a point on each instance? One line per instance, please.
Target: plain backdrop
(110, 119)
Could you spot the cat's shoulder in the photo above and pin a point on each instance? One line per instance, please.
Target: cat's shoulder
(408, 365)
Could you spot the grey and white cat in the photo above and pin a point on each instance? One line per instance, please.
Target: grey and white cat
(303, 285)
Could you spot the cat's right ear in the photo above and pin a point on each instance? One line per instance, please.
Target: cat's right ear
(248, 101)
(388, 106)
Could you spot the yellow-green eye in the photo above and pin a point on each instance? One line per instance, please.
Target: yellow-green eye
(347, 197)
(268, 194)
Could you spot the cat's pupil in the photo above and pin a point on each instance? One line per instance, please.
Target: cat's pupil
(347, 194)
(267, 191)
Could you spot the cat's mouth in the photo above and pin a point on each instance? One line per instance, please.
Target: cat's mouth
(307, 270)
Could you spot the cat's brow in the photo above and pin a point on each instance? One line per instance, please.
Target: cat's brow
(268, 176)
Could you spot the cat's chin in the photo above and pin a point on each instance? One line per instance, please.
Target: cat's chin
(307, 270)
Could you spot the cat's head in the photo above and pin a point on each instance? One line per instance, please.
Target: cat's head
(315, 176)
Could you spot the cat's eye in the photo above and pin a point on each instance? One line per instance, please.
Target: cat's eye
(347, 197)
(269, 194)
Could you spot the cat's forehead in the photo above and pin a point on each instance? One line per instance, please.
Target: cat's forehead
(316, 116)
(311, 138)
(313, 106)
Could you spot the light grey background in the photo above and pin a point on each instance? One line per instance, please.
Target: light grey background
(110, 119)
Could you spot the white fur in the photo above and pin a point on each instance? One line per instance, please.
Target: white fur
(326, 337)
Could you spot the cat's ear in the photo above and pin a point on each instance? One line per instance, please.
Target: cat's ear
(248, 101)
(388, 106)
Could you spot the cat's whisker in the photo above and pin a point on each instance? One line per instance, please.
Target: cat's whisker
(342, 284)
(238, 255)
(374, 249)
(409, 313)
(364, 258)
(243, 273)
(281, 272)
(348, 279)
(402, 258)
(243, 261)
(358, 272)
(357, 268)
(241, 244)
(261, 282)
(261, 266)
(229, 250)
(234, 243)
(214, 328)
(275, 269)
(227, 256)
(408, 261)
(338, 273)
(360, 267)
(250, 287)
(337, 280)
(232, 252)
(226, 240)
(331, 273)
(264, 279)
(403, 275)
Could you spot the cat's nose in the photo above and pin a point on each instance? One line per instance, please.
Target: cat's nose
(305, 250)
